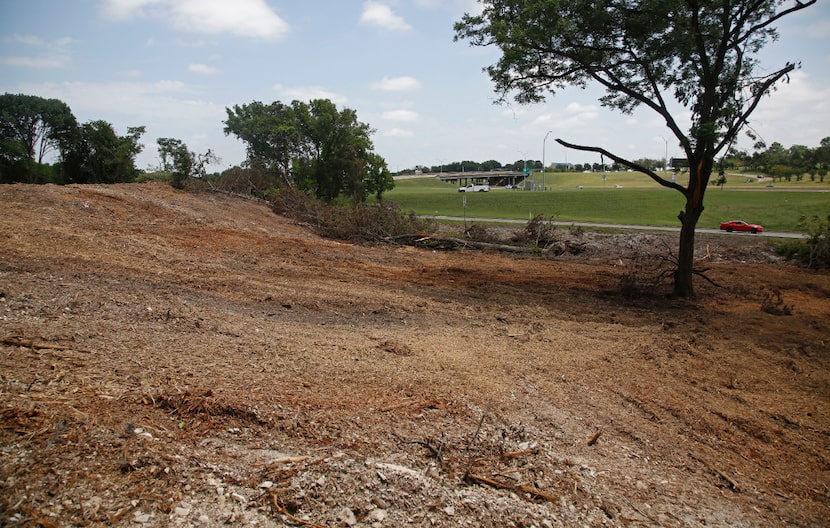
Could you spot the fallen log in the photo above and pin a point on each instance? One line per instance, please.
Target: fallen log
(433, 242)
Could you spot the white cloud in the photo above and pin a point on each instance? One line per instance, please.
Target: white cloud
(164, 100)
(307, 93)
(794, 107)
(130, 74)
(168, 108)
(407, 116)
(38, 53)
(397, 132)
(29, 40)
(123, 9)
(202, 68)
(244, 18)
(573, 116)
(35, 62)
(512, 111)
(397, 84)
(381, 16)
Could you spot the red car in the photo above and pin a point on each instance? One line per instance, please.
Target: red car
(740, 225)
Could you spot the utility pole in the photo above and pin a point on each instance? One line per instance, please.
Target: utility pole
(543, 158)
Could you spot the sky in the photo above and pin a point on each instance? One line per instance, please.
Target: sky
(174, 66)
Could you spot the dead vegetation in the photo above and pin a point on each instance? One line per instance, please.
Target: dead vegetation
(174, 359)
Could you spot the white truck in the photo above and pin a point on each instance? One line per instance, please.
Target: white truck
(475, 187)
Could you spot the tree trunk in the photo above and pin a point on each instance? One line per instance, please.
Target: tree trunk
(700, 170)
(683, 286)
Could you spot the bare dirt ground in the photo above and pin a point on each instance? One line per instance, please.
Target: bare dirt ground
(174, 359)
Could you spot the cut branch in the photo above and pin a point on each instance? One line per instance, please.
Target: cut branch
(524, 488)
(13, 341)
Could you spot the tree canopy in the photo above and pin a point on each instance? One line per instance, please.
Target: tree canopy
(100, 155)
(673, 57)
(31, 127)
(181, 163)
(313, 146)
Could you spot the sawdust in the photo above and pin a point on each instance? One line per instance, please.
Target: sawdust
(195, 360)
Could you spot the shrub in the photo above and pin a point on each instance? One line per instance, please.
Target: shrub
(479, 233)
(382, 221)
(814, 251)
(539, 232)
(252, 181)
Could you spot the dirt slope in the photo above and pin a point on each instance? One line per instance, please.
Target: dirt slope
(195, 360)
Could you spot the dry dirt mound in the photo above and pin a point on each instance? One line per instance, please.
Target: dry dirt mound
(195, 360)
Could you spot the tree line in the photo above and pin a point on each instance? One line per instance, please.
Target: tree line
(33, 130)
(779, 162)
(775, 161)
(313, 147)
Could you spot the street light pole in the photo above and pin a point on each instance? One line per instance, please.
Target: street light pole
(666, 158)
(543, 158)
(524, 168)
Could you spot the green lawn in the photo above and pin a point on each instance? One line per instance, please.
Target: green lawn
(638, 200)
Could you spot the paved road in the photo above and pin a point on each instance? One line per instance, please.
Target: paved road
(770, 234)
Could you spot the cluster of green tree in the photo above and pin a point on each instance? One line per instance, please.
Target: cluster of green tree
(35, 131)
(312, 147)
(779, 162)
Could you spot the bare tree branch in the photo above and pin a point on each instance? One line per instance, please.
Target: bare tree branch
(622, 161)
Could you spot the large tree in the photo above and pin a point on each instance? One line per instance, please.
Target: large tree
(313, 146)
(378, 178)
(674, 57)
(270, 134)
(181, 163)
(32, 128)
(336, 147)
(99, 155)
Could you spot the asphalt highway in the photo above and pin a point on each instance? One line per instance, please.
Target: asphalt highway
(768, 234)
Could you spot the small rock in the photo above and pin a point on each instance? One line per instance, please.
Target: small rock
(182, 512)
(141, 518)
(240, 498)
(347, 516)
(449, 510)
(376, 515)
(267, 485)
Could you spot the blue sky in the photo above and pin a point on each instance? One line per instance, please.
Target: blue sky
(175, 65)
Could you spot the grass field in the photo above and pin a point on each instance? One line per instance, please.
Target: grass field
(624, 198)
